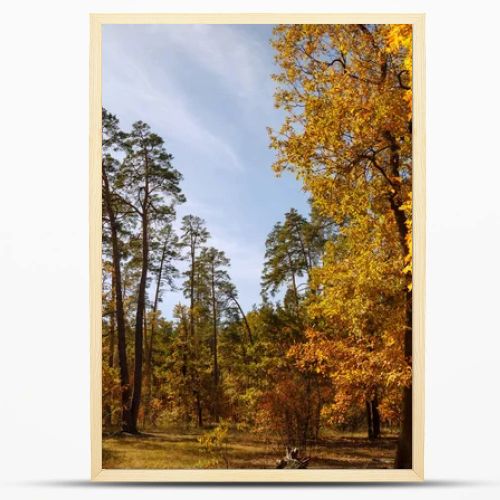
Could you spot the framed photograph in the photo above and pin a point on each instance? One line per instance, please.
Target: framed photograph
(257, 247)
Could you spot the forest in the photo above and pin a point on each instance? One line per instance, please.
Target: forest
(323, 363)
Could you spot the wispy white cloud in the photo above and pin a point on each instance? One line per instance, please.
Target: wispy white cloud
(233, 57)
(246, 257)
(227, 232)
(165, 104)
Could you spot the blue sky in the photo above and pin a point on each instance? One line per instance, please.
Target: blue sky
(207, 90)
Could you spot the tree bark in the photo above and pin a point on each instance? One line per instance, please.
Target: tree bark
(405, 450)
(145, 375)
(111, 357)
(214, 333)
(294, 283)
(369, 419)
(376, 419)
(373, 419)
(305, 253)
(108, 411)
(120, 314)
(199, 409)
(141, 305)
(191, 290)
(404, 453)
(149, 364)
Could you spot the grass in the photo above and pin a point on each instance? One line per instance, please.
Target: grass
(178, 449)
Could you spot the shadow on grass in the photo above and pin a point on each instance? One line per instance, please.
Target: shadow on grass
(180, 450)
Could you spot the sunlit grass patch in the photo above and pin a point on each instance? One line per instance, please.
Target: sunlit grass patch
(183, 450)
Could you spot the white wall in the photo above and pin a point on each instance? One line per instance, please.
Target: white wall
(44, 364)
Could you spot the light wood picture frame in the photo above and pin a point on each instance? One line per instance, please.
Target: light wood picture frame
(416, 473)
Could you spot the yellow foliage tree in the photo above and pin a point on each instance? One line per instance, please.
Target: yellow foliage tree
(347, 134)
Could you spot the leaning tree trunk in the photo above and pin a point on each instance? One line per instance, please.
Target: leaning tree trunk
(120, 314)
(247, 326)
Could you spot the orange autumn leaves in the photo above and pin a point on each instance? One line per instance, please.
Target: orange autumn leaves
(359, 369)
(346, 134)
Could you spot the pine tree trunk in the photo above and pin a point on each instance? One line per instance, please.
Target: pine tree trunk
(112, 322)
(141, 306)
(120, 314)
(145, 375)
(216, 360)
(199, 410)
(149, 364)
(294, 283)
(192, 332)
(191, 293)
(108, 410)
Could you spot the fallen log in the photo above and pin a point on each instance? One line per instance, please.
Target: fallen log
(292, 460)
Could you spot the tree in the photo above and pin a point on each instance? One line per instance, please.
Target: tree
(214, 262)
(164, 247)
(149, 186)
(287, 398)
(357, 321)
(290, 253)
(346, 92)
(181, 378)
(111, 377)
(193, 235)
(112, 141)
